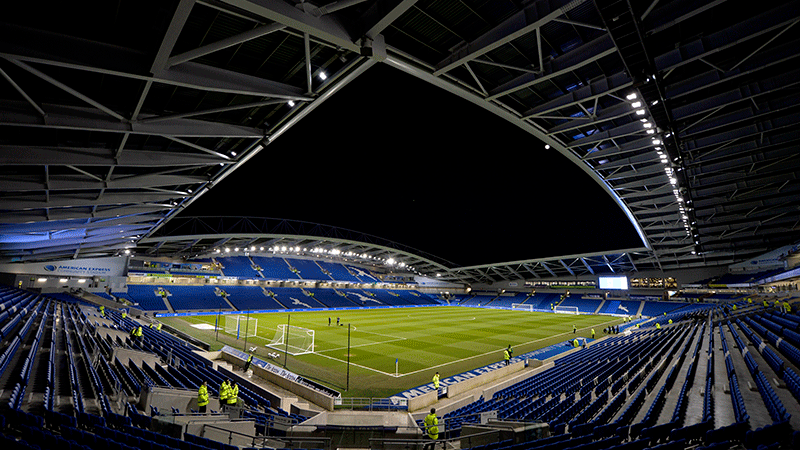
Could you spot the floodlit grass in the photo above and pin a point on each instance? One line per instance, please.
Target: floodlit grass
(451, 340)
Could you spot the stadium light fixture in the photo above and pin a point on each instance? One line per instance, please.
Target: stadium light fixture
(636, 105)
(323, 76)
(291, 104)
(81, 281)
(63, 280)
(651, 131)
(236, 249)
(227, 250)
(639, 112)
(631, 96)
(42, 280)
(547, 146)
(656, 141)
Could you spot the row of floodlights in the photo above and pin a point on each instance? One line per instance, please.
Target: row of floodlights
(317, 251)
(638, 106)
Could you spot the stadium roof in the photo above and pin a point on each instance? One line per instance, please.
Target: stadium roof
(117, 115)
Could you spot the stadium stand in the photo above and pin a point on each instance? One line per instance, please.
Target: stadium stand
(584, 305)
(308, 269)
(274, 268)
(707, 379)
(239, 266)
(251, 298)
(543, 301)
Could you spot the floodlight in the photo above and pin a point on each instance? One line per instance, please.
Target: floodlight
(63, 280)
(42, 280)
(547, 146)
(639, 112)
(323, 76)
(631, 96)
(227, 250)
(636, 104)
(654, 103)
(651, 131)
(656, 141)
(291, 103)
(81, 281)
(236, 249)
(647, 125)
(673, 180)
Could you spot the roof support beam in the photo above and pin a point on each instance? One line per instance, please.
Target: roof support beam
(22, 93)
(520, 24)
(326, 28)
(86, 119)
(222, 44)
(75, 156)
(381, 14)
(67, 89)
(597, 49)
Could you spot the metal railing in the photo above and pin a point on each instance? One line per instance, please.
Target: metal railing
(263, 441)
(370, 404)
(420, 443)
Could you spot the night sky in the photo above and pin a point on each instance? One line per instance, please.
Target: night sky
(394, 157)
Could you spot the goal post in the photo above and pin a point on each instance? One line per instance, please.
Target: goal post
(241, 326)
(521, 307)
(566, 310)
(293, 340)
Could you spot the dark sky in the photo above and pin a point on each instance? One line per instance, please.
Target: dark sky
(395, 157)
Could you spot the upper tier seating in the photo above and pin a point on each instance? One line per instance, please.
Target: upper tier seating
(275, 268)
(250, 298)
(238, 266)
(308, 270)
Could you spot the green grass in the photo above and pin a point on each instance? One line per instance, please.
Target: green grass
(451, 340)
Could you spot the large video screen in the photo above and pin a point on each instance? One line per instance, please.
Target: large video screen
(613, 283)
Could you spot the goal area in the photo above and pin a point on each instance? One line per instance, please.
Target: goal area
(293, 340)
(241, 326)
(566, 310)
(521, 307)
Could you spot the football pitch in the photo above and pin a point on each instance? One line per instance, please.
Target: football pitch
(423, 340)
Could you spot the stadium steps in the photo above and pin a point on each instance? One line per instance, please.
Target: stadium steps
(490, 301)
(599, 307)
(168, 304)
(226, 301)
(641, 307)
(264, 291)
(787, 399)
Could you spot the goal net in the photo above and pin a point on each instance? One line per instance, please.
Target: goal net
(241, 326)
(522, 307)
(566, 310)
(293, 339)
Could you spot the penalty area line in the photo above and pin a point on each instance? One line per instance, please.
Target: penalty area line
(357, 365)
(567, 333)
